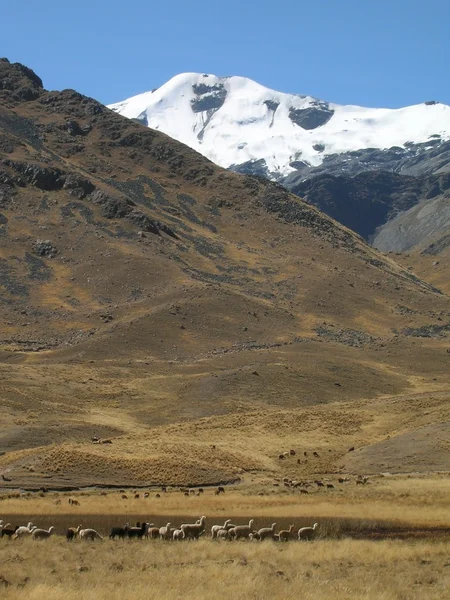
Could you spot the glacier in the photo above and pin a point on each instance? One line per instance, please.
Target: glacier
(234, 120)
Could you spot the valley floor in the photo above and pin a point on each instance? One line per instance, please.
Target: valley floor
(322, 569)
(387, 539)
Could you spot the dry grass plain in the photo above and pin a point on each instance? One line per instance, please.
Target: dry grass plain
(324, 569)
(386, 539)
(415, 501)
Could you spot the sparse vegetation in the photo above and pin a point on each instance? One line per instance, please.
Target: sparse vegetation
(173, 310)
(342, 569)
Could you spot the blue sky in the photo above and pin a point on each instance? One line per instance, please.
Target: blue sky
(374, 53)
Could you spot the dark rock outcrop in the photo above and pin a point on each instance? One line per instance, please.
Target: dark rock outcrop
(45, 248)
(44, 178)
(428, 158)
(311, 117)
(208, 97)
(20, 81)
(272, 105)
(369, 200)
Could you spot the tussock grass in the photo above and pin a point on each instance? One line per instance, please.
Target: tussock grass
(345, 569)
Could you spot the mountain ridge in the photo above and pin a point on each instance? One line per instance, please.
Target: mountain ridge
(236, 122)
(152, 298)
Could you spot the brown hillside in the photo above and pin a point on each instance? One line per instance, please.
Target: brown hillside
(143, 287)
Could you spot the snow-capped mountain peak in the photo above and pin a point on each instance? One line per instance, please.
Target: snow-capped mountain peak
(234, 120)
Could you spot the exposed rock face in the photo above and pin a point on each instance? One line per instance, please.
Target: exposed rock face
(142, 119)
(368, 200)
(208, 97)
(415, 159)
(258, 168)
(272, 105)
(425, 224)
(311, 117)
(45, 248)
(24, 84)
(44, 178)
(78, 186)
(437, 247)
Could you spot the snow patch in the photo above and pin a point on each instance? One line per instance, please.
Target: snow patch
(234, 120)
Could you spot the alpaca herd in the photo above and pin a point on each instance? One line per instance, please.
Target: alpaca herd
(186, 531)
(21, 531)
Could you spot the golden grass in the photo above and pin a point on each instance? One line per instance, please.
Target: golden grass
(417, 501)
(324, 569)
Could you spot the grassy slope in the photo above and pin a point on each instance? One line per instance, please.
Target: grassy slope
(262, 325)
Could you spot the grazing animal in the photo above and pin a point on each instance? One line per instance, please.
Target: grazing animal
(72, 532)
(119, 532)
(216, 528)
(24, 530)
(286, 534)
(178, 534)
(164, 532)
(267, 532)
(223, 534)
(221, 489)
(89, 534)
(139, 531)
(292, 452)
(9, 531)
(153, 533)
(42, 534)
(242, 531)
(194, 530)
(316, 454)
(330, 486)
(307, 533)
